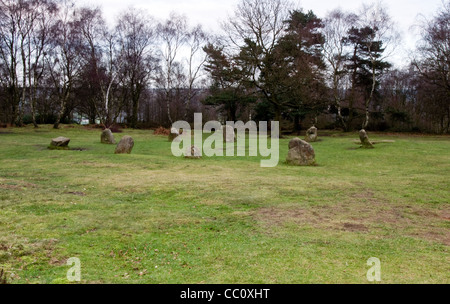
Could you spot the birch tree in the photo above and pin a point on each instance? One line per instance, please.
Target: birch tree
(337, 24)
(173, 34)
(379, 41)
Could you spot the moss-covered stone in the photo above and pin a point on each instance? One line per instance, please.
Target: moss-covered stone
(300, 153)
(125, 145)
(311, 134)
(107, 137)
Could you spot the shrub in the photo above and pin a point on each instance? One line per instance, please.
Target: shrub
(162, 131)
(115, 129)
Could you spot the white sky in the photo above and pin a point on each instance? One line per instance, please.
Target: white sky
(210, 12)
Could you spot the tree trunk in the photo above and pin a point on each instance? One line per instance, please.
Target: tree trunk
(33, 113)
(352, 94)
(369, 100)
(168, 112)
(169, 116)
(134, 116)
(33, 90)
(366, 121)
(337, 99)
(15, 107)
(58, 117)
(277, 114)
(61, 112)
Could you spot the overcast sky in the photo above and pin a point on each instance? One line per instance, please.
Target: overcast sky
(210, 12)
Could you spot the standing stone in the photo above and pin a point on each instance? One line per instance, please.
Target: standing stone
(228, 134)
(311, 134)
(300, 153)
(125, 145)
(366, 143)
(60, 143)
(107, 137)
(193, 152)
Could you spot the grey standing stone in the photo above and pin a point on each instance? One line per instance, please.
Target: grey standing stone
(107, 137)
(125, 145)
(60, 142)
(193, 152)
(311, 134)
(301, 153)
(366, 143)
(228, 134)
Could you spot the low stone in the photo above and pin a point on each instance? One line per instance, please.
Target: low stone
(125, 145)
(193, 152)
(228, 134)
(311, 134)
(301, 153)
(365, 142)
(60, 142)
(107, 137)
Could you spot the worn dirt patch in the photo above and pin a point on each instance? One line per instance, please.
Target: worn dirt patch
(16, 185)
(10, 187)
(445, 215)
(355, 227)
(14, 252)
(318, 217)
(275, 216)
(77, 193)
(363, 212)
(57, 262)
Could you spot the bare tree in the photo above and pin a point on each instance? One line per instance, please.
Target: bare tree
(25, 27)
(173, 34)
(196, 40)
(38, 48)
(259, 20)
(257, 25)
(10, 16)
(65, 61)
(433, 62)
(114, 61)
(336, 27)
(379, 44)
(136, 38)
(103, 58)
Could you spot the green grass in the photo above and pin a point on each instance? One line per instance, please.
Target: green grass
(150, 217)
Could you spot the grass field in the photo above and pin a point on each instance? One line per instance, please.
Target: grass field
(150, 217)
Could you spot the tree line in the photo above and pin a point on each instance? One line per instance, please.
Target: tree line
(273, 61)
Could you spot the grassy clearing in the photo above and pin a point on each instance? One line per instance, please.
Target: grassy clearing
(149, 217)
